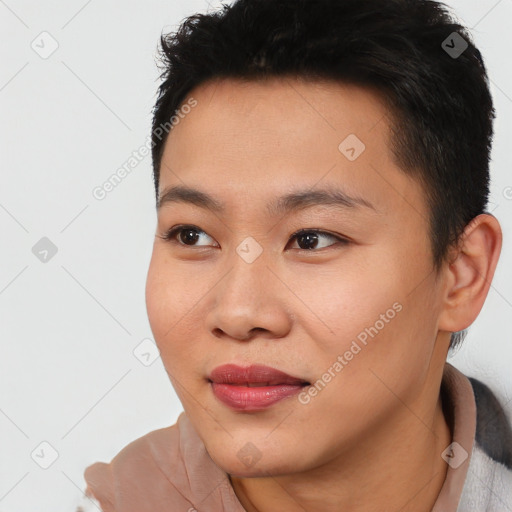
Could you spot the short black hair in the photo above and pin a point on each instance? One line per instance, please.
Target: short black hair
(424, 63)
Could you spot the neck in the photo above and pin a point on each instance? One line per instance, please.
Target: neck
(399, 468)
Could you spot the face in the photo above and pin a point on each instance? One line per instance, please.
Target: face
(349, 306)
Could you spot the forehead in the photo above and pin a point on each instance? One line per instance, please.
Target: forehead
(267, 135)
(315, 110)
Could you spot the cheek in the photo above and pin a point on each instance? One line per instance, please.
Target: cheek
(375, 315)
(164, 298)
(351, 302)
(170, 301)
(156, 299)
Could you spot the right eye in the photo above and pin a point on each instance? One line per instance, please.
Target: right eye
(184, 235)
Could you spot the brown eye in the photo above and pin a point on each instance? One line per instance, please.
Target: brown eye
(185, 235)
(188, 236)
(308, 239)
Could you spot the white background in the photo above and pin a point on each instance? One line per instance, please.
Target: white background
(68, 327)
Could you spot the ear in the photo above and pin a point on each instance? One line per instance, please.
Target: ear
(469, 274)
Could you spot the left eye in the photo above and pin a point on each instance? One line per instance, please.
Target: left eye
(308, 238)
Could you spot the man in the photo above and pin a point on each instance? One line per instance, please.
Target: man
(321, 177)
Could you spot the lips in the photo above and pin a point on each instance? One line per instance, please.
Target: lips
(253, 376)
(253, 388)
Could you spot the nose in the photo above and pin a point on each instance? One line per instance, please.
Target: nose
(250, 301)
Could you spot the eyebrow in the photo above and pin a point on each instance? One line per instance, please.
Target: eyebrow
(288, 203)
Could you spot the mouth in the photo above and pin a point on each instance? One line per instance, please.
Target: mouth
(253, 388)
(253, 376)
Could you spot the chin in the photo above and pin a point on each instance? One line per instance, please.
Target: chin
(250, 462)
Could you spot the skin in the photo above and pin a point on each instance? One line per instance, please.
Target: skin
(373, 436)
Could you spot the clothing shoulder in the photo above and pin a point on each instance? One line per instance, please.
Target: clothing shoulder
(489, 481)
(150, 465)
(493, 429)
(168, 465)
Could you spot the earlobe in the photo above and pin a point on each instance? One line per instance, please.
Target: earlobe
(470, 273)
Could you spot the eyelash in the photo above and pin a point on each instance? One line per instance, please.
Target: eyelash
(170, 236)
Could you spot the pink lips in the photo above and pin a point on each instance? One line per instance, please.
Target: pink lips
(254, 387)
